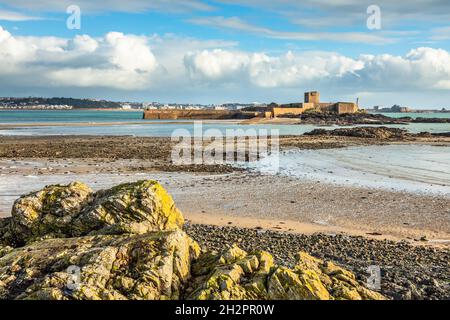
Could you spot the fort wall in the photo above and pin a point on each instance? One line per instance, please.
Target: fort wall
(341, 107)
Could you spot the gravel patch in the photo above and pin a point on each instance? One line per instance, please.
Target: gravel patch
(408, 272)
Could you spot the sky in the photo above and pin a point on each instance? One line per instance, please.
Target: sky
(194, 51)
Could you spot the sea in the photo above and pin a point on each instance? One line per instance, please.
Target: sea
(119, 123)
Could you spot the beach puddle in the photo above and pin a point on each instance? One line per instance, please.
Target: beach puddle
(411, 168)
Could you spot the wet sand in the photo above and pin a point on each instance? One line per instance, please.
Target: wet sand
(252, 200)
(158, 149)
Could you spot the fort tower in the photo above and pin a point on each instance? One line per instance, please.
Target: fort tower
(312, 97)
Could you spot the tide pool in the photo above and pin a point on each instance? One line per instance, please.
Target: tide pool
(419, 169)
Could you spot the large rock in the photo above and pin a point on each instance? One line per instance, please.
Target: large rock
(66, 242)
(237, 275)
(134, 208)
(152, 266)
(47, 212)
(74, 210)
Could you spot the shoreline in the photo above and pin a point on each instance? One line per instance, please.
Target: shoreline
(242, 198)
(302, 228)
(257, 121)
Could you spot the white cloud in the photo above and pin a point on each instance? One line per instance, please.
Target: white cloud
(238, 24)
(216, 64)
(116, 61)
(13, 51)
(262, 70)
(439, 34)
(422, 68)
(110, 5)
(7, 15)
(188, 68)
(344, 12)
(83, 43)
(130, 53)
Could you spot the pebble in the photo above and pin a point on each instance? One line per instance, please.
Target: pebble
(408, 272)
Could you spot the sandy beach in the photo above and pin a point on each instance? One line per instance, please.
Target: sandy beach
(253, 200)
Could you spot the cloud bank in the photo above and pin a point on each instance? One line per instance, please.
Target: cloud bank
(120, 62)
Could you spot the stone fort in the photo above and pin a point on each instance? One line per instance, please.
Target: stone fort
(311, 101)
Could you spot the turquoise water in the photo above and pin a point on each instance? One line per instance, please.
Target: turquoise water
(154, 129)
(73, 116)
(140, 127)
(415, 115)
(22, 116)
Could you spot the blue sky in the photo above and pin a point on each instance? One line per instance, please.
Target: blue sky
(230, 50)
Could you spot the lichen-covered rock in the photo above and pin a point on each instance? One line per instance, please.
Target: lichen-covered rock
(74, 210)
(5, 233)
(151, 266)
(47, 212)
(134, 208)
(237, 275)
(5, 250)
(232, 275)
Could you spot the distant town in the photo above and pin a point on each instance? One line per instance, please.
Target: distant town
(39, 103)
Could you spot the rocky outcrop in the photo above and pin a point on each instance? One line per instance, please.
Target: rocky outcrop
(48, 212)
(380, 133)
(74, 210)
(151, 266)
(67, 242)
(237, 275)
(349, 119)
(430, 120)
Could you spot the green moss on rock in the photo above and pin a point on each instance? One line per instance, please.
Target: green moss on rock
(134, 208)
(74, 210)
(47, 212)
